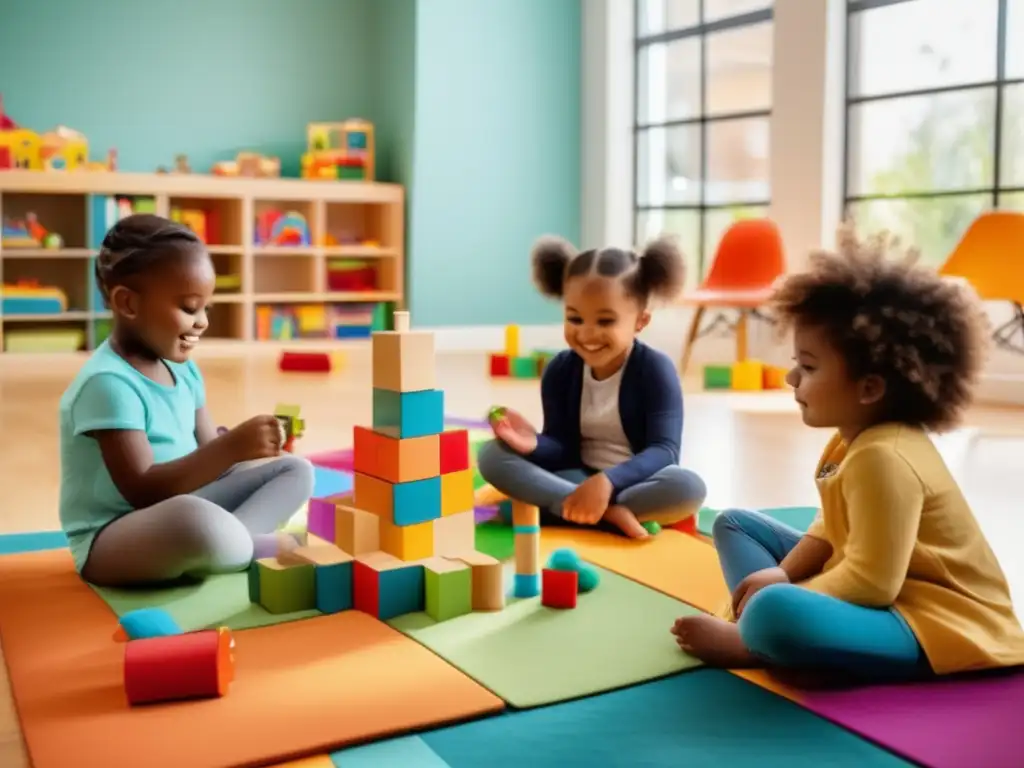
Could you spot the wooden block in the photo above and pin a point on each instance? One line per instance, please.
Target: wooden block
(717, 377)
(453, 446)
(454, 534)
(523, 368)
(448, 587)
(747, 376)
(488, 580)
(499, 365)
(512, 340)
(457, 492)
(774, 377)
(358, 531)
(333, 575)
(403, 361)
(407, 542)
(285, 588)
(385, 587)
(527, 553)
(320, 517)
(394, 460)
(558, 589)
(525, 515)
(400, 503)
(408, 414)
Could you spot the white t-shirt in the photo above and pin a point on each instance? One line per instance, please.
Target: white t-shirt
(604, 443)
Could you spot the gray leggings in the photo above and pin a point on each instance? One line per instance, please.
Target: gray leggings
(217, 529)
(667, 496)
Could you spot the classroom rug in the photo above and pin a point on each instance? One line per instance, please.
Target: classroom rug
(531, 655)
(309, 686)
(795, 517)
(973, 720)
(705, 717)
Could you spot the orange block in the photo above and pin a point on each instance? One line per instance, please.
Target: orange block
(373, 495)
(774, 377)
(394, 460)
(457, 492)
(407, 542)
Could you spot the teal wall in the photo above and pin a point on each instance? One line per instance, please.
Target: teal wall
(497, 155)
(204, 77)
(476, 104)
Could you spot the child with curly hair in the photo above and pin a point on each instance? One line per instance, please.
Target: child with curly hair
(894, 579)
(613, 406)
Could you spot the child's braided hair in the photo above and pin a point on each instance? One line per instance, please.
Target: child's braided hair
(136, 243)
(925, 336)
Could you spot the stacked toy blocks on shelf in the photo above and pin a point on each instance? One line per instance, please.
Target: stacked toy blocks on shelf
(512, 364)
(404, 539)
(744, 376)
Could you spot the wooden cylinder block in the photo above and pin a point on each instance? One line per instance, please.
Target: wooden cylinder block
(401, 323)
(527, 553)
(488, 581)
(191, 666)
(524, 515)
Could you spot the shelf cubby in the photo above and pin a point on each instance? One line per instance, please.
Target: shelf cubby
(217, 220)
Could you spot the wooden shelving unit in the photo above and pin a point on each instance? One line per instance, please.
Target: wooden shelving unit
(351, 221)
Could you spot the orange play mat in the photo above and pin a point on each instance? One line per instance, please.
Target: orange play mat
(300, 688)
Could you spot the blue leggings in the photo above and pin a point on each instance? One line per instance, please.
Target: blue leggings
(788, 626)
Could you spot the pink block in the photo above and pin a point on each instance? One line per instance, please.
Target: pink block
(320, 519)
(339, 460)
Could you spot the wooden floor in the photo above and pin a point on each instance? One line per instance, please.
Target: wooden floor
(751, 449)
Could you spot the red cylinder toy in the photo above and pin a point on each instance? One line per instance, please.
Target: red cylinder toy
(190, 666)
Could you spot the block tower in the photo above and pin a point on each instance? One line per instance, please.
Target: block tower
(407, 532)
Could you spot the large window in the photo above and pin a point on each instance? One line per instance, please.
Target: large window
(703, 104)
(935, 116)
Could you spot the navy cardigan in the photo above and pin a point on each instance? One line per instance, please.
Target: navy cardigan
(650, 406)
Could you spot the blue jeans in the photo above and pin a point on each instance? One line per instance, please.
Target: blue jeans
(666, 497)
(789, 626)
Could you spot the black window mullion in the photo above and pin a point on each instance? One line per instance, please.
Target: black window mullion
(997, 163)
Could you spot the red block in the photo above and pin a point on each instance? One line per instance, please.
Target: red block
(365, 588)
(687, 525)
(499, 365)
(558, 588)
(305, 362)
(454, 450)
(195, 665)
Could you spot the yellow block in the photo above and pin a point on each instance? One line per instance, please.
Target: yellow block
(512, 340)
(748, 376)
(456, 492)
(407, 542)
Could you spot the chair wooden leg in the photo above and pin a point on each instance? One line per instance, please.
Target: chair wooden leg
(741, 337)
(691, 338)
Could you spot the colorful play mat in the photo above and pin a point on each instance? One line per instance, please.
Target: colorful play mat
(599, 685)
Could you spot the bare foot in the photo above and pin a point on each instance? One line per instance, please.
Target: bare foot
(714, 641)
(625, 521)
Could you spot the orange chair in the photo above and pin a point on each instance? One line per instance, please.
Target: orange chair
(990, 256)
(747, 262)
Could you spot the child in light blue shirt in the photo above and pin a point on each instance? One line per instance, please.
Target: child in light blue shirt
(149, 491)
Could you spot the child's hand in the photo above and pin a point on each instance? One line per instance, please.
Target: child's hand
(755, 582)
(515, 431)
(588, 503)
(260, 437)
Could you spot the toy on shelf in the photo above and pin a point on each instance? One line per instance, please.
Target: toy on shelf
(294, 426)
(314, 321)
(204, 223)
(280, 228)
(511, 364)
(44, 340)
(28, 297)
(404, 540)
(250, 165)
(744, 376)
(191, 665)
(351, 275)
(61, 149)
(181, 166)
(28, 233)
(342, 151)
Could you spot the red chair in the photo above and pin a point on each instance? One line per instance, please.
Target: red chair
(748, 260)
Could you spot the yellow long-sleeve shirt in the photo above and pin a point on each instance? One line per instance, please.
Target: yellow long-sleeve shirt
(903, 535)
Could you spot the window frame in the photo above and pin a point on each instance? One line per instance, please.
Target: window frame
(701, 30)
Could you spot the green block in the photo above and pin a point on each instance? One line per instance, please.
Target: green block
(253, 576)
(285, 588)
(349, 173)
(717, 377)
(449, 590)
(522, 367)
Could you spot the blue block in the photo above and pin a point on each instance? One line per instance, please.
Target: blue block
(352, 331)
(526, 585)
(417, 501)
(149, 622)
(401, 591)
(330, 482)
(334, 587)
(408, 414)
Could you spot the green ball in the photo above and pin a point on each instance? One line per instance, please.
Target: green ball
(496, 413)
(566, 559)
(652, 527)
(589, 577)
